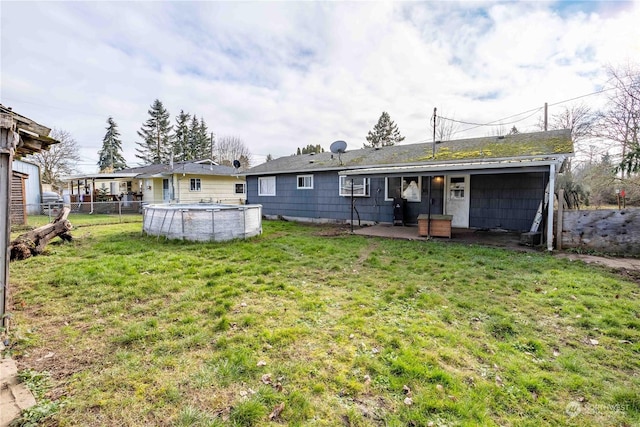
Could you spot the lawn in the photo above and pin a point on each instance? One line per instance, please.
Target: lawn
(80, 220)
(309, 325)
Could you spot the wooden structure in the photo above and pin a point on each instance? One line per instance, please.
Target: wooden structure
(18, 199)
(19, 136)
(440, 225)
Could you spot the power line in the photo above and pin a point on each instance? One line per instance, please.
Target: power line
(533, 111)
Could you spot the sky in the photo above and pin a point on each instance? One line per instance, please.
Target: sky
(282, 75)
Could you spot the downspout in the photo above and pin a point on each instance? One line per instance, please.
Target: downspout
(179, 179)
(550, 205)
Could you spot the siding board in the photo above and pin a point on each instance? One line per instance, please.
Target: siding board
(17, 198)
(507, 201)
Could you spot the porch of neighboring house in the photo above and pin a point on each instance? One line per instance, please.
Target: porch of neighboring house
(103, 193)
(505, 239)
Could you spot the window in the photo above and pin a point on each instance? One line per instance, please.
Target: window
(407, 187)
(240, 188)
(267, 186)
(194, 184)
(305, 182)
(359, 184)
(456, 188)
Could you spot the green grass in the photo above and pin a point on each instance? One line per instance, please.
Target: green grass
(154, 332)
(78, 220)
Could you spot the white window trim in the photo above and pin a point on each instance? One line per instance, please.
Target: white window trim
(298, 182)
(199, 186)
(274, 186)
(386, 189)
(367, 185)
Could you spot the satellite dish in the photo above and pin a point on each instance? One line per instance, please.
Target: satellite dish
(236, 164)
(338, 147)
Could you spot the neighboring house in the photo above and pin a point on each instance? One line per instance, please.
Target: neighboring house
(183, 182)
(485, 183)
(32, 187)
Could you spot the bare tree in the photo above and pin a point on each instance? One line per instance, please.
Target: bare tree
(619, 122)
(497, 130)
(61, 159)
(230, 148)
(445, 129)
(579, 119)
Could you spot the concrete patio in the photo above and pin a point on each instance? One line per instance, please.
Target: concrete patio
(458, 235)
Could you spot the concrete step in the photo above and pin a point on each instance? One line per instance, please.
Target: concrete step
(14, 396)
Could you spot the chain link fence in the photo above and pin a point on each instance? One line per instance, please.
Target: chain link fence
(29, 216)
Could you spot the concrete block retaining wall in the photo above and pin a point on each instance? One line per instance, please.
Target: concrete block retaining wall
(609, 231)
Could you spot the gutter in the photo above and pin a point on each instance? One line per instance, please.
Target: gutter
(443, 167)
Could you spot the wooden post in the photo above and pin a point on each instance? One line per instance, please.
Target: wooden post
(552, 186)
(8, 141)
(559, 219)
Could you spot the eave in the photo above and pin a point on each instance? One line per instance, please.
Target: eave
(441, 167)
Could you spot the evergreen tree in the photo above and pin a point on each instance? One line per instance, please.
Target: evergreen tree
(155, 147)
(110, 155)
(310, 149)
(269, 158)
(204, 141)
(384, 133)
(193, 150)
(180, 137)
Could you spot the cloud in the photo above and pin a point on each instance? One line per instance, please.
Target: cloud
(282, 75)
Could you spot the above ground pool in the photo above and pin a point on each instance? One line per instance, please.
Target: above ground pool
(202, 222)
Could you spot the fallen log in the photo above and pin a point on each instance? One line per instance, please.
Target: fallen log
(33, 242)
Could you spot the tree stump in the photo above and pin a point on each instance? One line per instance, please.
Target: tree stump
(33, 243)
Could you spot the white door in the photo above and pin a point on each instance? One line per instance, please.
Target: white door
(166, 193)
(457, 200)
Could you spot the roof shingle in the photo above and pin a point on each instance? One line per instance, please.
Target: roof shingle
(521, 145)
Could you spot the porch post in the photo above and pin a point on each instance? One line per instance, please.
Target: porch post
(93, 190)
(550, 205)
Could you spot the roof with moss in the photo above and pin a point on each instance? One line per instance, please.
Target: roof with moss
(518, 146)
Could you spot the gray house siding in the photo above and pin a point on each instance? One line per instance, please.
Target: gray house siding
(507, 201)
(324, 201)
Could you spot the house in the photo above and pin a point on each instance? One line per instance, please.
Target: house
(484, 183)
(180, 182)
